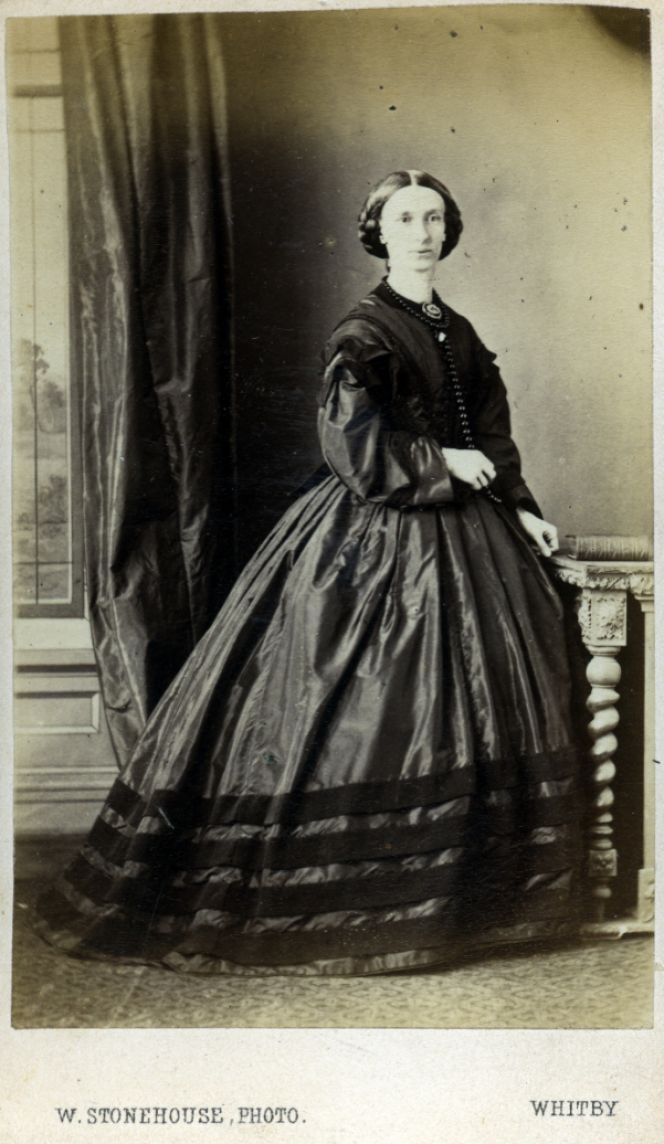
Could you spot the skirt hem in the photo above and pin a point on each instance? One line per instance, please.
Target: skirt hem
(448, 954)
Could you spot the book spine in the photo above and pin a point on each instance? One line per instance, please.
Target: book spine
(609, 547)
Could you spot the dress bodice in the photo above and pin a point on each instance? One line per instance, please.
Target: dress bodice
(386, 379)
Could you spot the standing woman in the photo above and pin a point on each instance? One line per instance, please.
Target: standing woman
(367, 762)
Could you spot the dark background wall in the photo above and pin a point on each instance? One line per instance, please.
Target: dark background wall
(538, 119)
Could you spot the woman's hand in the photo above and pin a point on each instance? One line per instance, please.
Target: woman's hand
(471, 466)
(545, 535)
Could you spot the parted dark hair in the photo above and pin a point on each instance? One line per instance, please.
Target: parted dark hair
(369, 220)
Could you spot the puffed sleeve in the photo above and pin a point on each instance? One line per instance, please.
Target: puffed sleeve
(378, 463)
(492, 432)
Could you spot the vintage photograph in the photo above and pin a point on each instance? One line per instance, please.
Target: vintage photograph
(332, 368)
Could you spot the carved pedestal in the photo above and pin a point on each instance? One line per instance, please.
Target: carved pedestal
(603, 588)
(646, 899)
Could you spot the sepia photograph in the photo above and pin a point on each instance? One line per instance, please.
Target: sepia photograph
(332, 527)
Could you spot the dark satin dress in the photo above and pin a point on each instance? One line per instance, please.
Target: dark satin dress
(367, 762)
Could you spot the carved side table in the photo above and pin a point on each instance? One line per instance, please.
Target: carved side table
(601, 602)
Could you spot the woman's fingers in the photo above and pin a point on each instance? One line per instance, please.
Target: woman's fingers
(548, 539)
(486, 475)
(543, 534)
(470, 465)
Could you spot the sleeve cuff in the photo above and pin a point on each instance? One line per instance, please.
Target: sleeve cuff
(521, 497)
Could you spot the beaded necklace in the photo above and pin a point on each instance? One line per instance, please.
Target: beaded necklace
(436, 316)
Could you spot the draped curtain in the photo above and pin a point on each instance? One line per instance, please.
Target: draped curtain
(150, 289)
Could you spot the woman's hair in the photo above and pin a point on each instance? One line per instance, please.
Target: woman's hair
(369, 220)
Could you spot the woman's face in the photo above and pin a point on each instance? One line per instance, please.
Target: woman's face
(412, 227)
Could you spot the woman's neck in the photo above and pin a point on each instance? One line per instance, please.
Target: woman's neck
(417, 286)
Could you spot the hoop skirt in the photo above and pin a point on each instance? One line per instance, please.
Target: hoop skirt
(367, 762)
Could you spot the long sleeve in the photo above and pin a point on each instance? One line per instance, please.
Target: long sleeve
(493, 434)
(378, 463)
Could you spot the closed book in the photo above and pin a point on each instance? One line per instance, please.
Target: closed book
(608, 547)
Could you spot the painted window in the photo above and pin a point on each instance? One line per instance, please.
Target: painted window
(46, 473)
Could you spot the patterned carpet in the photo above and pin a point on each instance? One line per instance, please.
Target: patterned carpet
(575, 987)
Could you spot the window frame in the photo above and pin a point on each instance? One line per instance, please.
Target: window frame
(73, 608)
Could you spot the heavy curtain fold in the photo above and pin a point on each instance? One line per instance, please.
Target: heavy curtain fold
(150, 289)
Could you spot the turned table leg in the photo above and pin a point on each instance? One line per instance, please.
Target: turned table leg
(603, 622)
(645, 910)
(602, 589)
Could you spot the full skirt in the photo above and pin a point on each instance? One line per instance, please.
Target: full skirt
(366, 764)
